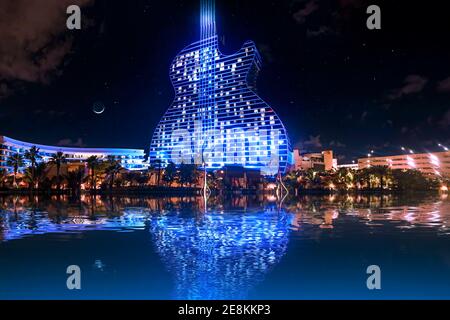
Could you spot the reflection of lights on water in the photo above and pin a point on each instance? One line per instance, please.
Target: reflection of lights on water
(16, 226)
(226, 253)
(220, 256)
(271, 186)
(335, 214)
(86, 221)
(410, 217)
(435, 216)
(98, 264)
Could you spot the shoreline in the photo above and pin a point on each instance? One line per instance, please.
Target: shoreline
(189, 191)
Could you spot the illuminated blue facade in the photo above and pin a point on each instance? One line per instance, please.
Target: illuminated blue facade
(130, 159)
(220, 256)
(217, 119)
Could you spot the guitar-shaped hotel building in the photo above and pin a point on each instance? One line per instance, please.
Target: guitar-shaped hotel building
(216, 118)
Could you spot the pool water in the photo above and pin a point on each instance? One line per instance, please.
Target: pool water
(254, 247)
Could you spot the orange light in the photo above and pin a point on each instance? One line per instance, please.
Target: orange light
(271, 186)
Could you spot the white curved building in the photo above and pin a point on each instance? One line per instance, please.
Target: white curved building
(131, 159)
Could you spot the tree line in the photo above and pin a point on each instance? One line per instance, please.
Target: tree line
(375, 178)
(92, 174)
(108, 173)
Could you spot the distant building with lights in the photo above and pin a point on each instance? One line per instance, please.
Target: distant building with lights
(130, 159)
(434, 163)
(353, 166)
(321, 161)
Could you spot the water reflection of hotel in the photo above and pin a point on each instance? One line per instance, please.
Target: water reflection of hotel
(371, 210)
(211, 256)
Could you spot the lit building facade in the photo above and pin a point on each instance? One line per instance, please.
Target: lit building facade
(131, 159)
(321, 161)
(435, 163)
(217, 119)
(353, 166)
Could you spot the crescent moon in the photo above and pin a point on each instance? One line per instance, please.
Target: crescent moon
(99, 112)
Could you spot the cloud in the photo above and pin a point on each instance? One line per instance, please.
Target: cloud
(309, 8)
(311, 143)
(350, 3)
(412, 84)
(34, 41)
(69, 143)
(364, 115)
(5, 91)
(266, 51)
(322, 31)
(444, 85)
(337, 144)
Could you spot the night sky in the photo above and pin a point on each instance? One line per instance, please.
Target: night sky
(334, 83)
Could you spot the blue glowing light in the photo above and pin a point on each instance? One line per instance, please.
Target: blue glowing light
(220, 256)
(216, 117)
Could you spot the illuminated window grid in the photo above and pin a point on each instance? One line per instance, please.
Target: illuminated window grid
(235, 106)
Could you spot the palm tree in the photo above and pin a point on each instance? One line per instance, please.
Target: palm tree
(36, 177)
(58, 159)
(15, 161)
(384, 174)
(365, 176)
(187, 173)
(292, 181)
(343, 178)
(93, 163)
(33, 155)
(113, 168)
(158, 165)
(41, 173)
(74, 180)
(312, 178)
(3, 175)
(170, 173)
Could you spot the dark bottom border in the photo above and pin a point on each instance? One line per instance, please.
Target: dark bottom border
(279, 309)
